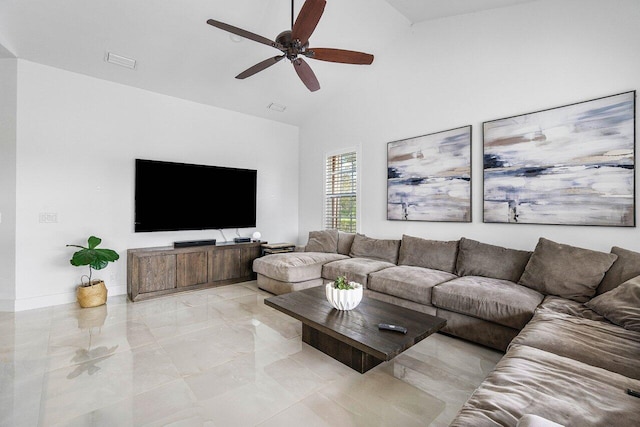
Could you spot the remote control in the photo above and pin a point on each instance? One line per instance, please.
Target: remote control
(633, 393)
(394, 328)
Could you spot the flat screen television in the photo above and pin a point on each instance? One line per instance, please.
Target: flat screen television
(180, 196)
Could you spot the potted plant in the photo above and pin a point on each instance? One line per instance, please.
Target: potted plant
(94, 292)
(343, 294)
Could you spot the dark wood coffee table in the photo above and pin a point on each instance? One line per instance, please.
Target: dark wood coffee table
(352, 337)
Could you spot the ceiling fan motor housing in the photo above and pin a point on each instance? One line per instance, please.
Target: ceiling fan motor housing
(293, 47)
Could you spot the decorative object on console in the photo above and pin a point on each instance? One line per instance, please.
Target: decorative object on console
(277, 248)
(342, 294)
(92, 293)
(256, 236)
(571, 165)
(429, 177)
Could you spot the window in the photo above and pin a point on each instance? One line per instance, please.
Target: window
(340, 191)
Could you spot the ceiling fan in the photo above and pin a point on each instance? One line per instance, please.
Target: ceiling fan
(294, 43)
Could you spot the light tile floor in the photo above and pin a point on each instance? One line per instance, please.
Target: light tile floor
(215, 357)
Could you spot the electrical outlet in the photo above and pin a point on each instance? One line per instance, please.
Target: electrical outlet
(48, 217)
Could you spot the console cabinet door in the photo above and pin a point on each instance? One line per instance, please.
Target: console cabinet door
(157, 273)
(192, 269)
(225, 264)
(246, 261)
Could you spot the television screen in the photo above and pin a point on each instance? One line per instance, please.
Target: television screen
(180, 196)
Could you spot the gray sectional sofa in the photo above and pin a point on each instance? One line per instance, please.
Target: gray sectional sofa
(568, 318)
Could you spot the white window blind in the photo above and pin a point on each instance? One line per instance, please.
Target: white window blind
(340, 192)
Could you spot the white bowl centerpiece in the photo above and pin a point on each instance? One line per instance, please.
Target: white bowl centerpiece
(342, 294)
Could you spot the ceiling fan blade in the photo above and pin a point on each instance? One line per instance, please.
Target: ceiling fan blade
(339, 55)
(306, 74)
(307, 20)
(259, 67)
(246, 34)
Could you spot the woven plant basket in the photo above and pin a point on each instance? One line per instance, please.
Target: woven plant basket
(92, 296)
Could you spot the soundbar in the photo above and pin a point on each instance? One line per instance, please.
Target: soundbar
(242, 239)
(188, 243)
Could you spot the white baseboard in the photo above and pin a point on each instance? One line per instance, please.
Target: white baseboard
(51, 300)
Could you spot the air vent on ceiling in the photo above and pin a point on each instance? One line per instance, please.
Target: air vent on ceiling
(277, 107)
(121, 60)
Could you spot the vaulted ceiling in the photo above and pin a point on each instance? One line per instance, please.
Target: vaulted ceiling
(178, 54)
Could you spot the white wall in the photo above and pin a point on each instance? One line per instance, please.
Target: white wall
(447, 73)
(8, 97)
(77, 141)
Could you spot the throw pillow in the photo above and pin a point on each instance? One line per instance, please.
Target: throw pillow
(480, 259)
(322, 241)
(621, 305)
(626, 266)
(378, 249)
(433, 254)
(566, 271)
(345, 240)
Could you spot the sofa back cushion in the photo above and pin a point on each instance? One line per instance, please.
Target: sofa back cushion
(433, 254)
(620, 305)
(566, 271)
(323, 241)
(379, 249)
(345, 240)
(626, 266)
(480, 259)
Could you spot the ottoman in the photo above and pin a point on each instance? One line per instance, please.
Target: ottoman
(292, 271)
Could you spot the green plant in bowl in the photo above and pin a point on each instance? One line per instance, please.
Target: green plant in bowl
(342, 283)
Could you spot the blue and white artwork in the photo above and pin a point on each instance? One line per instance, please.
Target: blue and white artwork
(429, 177)
(571, 165)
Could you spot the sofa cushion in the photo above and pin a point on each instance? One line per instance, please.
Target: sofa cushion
(294, 266)
(345, 240)
(356, 269)
(626, 266)
(480, 331)
(408, 282)
(425, 253)
(559, 305)
(496, 300)
(323, 241)
(566, 271)
(621, 305)
(378, 249)
(532, 381)
(401, 302)
(480, 259)
(596, 343)
(278, 288)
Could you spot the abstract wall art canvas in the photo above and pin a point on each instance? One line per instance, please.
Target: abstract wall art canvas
(429, 177)
(571, 165)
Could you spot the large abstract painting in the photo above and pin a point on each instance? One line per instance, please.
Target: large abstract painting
(571, 165)
(429, 177)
